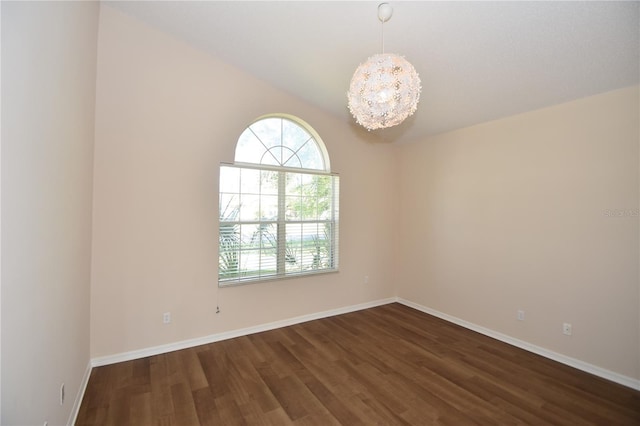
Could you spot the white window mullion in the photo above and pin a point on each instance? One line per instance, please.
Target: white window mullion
(282, 228)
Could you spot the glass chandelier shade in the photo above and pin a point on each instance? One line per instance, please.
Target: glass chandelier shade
(384, 91)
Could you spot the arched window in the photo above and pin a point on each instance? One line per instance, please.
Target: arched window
(278, 204)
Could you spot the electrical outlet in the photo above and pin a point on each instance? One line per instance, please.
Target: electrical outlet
(62, 394)
(520, 315)
(366, 279)
(166, 318)
(566, 329)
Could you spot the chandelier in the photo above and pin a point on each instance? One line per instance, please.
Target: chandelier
(385, 89)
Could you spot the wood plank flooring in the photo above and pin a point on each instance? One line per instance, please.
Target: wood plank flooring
(389, 365)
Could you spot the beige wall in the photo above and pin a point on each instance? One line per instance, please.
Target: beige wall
(537, 212)
(166, 117)
(48, 98)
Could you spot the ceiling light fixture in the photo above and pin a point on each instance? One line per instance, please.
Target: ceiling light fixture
(386, 88)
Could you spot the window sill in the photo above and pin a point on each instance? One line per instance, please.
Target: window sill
(236, 283)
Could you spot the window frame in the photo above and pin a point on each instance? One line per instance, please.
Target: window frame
(281, 221)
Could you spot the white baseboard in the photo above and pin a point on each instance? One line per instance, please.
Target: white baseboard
(78, 401)
(170, 347)
(572, 362)
(156, 350)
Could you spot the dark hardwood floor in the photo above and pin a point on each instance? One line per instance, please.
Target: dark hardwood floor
(389, 365)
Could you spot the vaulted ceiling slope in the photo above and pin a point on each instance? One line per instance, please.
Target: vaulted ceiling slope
(478, 61)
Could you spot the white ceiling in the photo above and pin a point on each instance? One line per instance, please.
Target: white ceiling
(478, 61)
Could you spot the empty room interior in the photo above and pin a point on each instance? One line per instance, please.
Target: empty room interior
(428, 270)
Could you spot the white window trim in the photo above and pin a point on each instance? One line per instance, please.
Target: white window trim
(281, 221)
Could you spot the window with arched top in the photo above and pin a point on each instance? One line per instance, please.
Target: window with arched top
(284, 142)
(278, 204)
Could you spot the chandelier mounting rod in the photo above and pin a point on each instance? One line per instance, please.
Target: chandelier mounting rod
(385, 11)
